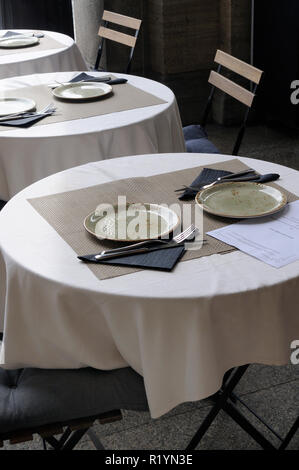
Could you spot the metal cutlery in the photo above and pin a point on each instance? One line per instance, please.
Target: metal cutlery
(104, 79)
(117, 81)
(95, 79)
(48, 110)
(232, 176)
(108, 80)
(253, 179)
(15, 37)
(227, 180)
(37, 34)
(19, 36)
(267, 178)
(148, 245)
(29, 115)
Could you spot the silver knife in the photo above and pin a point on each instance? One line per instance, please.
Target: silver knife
(104, 79)
(135, 251)
(118, 254)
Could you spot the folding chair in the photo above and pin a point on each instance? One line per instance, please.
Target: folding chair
(196, 137)
(226, 400)
(106, 33)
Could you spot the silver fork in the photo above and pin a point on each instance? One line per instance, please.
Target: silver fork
(49, 109)
(141, 247)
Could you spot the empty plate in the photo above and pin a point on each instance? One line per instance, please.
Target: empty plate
(241, 200)
(14, 42)
(15, 105)
(82, 91)
(140, 221)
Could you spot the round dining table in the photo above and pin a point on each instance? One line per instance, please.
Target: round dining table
(27, 155)
(62, 54)
(181, 330)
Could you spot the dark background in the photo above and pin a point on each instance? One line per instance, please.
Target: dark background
(52, 15)
(277, 53)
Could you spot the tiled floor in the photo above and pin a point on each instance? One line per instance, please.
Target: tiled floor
(261, 142)
(272, 391)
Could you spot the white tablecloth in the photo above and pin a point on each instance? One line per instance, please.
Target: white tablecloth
(27, 155)
(180, 330)
(27, 61)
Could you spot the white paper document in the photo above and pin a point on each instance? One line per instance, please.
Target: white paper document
(273, 239)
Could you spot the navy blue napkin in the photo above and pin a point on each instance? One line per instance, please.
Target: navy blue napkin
(11, 33)
(80, 77)
(22, 122)
(206, 176)
(162, 260)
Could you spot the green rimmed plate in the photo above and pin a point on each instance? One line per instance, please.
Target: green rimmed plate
(132, 222)
(242, 200)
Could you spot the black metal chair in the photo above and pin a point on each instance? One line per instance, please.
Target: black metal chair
(106, 33)
(196, 137)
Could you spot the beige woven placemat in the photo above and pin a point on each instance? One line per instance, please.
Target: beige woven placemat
(123, 98)
(45, 43)
(65, 212)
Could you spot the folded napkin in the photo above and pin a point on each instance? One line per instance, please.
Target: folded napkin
(22, 122)
(112, 81)
(80, 77)
(206, 176)
(11, 33)
(162, 260)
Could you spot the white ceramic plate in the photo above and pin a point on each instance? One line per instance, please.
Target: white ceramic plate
(14, 42)
(241, 200)
(134, 222)
(82, 91)
(15, 105)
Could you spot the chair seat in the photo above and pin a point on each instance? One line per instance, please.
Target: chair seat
(194, 131)
(202, 145)
(35, 397)
(196, 140)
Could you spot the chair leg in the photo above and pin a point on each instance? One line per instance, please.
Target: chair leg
(223, 401)
(75, 437)
(290, 434)
(95, 440)
(235, 414)
(224, 393)
(67, 441)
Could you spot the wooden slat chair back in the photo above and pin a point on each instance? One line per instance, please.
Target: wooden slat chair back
(233, 89)
(106, 33)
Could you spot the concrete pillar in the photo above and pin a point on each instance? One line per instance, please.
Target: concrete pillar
(235, 35)
(87, 15)
(183, 36)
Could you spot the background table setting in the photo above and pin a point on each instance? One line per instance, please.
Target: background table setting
(131, 115)
(181, 325)
(24, 52)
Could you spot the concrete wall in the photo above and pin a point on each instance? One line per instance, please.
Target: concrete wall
(87, 15)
